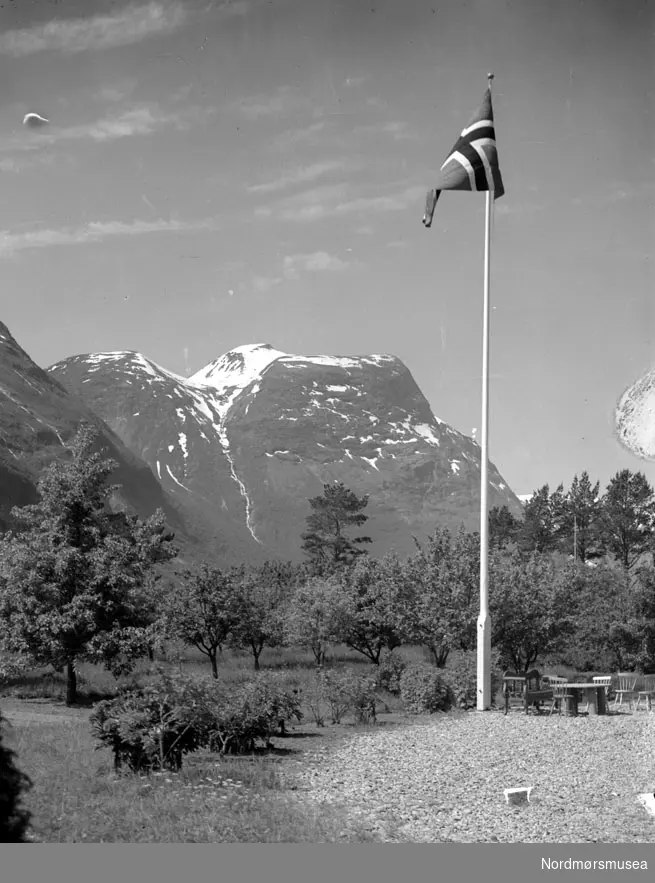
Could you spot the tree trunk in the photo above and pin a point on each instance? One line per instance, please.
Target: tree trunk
(71, 683)
(151, 653)
(212, 658)
(256, 653)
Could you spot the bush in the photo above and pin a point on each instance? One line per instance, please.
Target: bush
(14, 820)
(146, 729)
(341, 692)
(389, 673)
(154, 726)
(423, 690)
(461, 677)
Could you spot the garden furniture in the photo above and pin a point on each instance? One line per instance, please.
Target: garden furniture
(647, 692)
(527, 687)
(626, 684)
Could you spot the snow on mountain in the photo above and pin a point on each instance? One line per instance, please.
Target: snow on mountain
(250, 437)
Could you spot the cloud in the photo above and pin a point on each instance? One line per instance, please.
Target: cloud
(293, 137)
(129, 25)
(96, 231)
(317, 261)
(352, 82)
(332, 201)
(281, 101)
(142, 120)
(263, 284)
(398, 130)
(300, 176)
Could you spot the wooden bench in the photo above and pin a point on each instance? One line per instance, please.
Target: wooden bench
(527, 687)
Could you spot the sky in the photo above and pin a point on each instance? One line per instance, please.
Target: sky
(222, 173)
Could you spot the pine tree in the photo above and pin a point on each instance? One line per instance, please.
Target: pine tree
(75, 578)
(334, 513)
(542, 521)
(503, 527)
(628, 517)
(582, 527)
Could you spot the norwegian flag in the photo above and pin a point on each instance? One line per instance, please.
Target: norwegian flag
(472, 164)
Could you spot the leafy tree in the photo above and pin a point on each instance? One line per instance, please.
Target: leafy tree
(438, 606)
(258, 604)
(504, 528)
(199, 611)
(334, 513)
(628, 517)
(73, 581)
(365, 608)
(14, 819)
(632, 637)
(529, 606)
(582, 516)
(312, 617)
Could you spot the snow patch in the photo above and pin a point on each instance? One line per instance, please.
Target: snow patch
(454, 465)
(372, 462)
(182, 440)
(171, 448)
(168, 469)
(426, 432)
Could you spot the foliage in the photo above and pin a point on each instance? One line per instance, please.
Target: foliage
(461, 678)
(529, 606)
(154, 726)
(258, 604)
(504, 528)
(628, 517)
(389, 672)
(14, 819)
(544, 520)
(365, 606)
(74, 580)
(199, 611)
(437, 606)
(344, 692)
(423, 690)
(333, 515)
(312, 617)
(582, 519)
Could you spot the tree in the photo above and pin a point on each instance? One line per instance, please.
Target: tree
(313, 616)
(199, 611)
(258, 604)
(582, 515)
(529, 606)
(333, 515)
(14, 819)
(504, 528)
(543, 520)
(73, 580)
(365, 606)
(438, 606)
(628, 517)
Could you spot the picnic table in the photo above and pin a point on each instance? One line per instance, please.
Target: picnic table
(593, 693)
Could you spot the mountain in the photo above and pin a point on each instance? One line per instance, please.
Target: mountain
(37, 417)
(248, 439)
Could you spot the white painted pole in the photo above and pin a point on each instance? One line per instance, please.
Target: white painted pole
(484, 623)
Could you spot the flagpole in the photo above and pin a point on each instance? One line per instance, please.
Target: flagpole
(484, 623)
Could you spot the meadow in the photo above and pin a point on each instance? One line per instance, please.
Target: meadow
(77, 796)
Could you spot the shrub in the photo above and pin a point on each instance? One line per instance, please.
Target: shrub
(14, 820)
(154, 726)
(389, 672)
(145, 729)
(423, 690)
(461, 677)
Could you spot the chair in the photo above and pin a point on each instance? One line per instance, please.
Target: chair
(560, 693)
(525, 686)
(601, 681)
(626, 684)
(647, 692)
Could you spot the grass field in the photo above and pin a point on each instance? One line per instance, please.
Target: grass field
(77, 797)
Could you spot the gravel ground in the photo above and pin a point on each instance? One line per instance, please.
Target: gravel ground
(443, 779)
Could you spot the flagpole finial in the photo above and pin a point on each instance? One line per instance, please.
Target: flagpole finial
(490, 78)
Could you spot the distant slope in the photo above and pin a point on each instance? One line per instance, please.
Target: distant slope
(248, 439)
